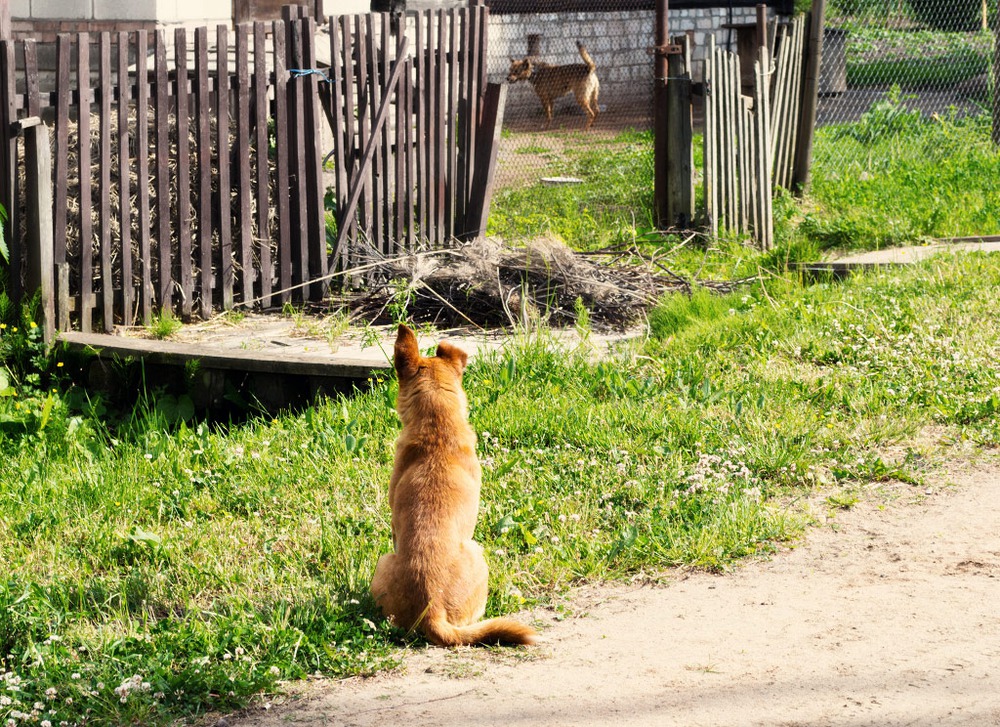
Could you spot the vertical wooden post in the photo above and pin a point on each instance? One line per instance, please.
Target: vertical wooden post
(660, 115)
(761, 30)
(679, 205)
(810, 96)
(6, 32)
(38, 183)
(488, 141)
(8, 165)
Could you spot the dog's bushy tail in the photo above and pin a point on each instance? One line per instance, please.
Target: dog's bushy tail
(586, 56)
(492, 631)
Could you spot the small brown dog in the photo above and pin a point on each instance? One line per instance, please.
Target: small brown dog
(552, 82)
(436, 579)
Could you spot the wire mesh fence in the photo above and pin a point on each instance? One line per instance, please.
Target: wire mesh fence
(889, 63)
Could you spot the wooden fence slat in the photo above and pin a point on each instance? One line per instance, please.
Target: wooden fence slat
(419, 108)
(373, 94)
(204, 192)
(708, 138)
(402, 122)
(350, 102)
(432, 139)
(282, 187)
(340, 142)
(61, 161)
(765, 217)
(262, 162)
(8, 157)
(444, 118)
(297, 157)
(383, 158)
(164, 257)
(31, 76)
(84, 170)
(314, 191)
(223, 151)
(450, 210)
(124, 184)
(182, 222)
(142, 174)
(104, 215)
(464, 106)
(410, 178)
(243, 183)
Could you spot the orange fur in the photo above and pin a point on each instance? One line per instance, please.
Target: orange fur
(435, 581)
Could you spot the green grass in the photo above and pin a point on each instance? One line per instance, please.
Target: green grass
(192, 566)
(895, 178)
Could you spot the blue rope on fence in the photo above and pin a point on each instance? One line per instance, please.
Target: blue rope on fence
(300, 72)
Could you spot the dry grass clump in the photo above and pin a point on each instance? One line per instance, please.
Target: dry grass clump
(489, 284)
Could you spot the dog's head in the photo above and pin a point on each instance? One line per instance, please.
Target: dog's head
(519, 70)
(427, 383)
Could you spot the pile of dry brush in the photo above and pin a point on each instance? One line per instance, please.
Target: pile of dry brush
(489, 284)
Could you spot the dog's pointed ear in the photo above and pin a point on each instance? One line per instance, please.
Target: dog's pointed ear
(453, 355)
(406, 354)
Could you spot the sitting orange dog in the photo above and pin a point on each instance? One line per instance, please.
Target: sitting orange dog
(435, 581)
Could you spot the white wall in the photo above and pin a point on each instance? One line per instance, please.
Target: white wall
(164, 11)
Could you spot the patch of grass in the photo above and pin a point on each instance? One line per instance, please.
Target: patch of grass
(164, 325)
(613, 203)
(876, 185)
(186, 567)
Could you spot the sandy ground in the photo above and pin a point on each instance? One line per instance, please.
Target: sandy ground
(885, 614)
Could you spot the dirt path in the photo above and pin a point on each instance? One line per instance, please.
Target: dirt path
(885, 615)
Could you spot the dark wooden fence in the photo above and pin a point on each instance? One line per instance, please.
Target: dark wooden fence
(189, 177)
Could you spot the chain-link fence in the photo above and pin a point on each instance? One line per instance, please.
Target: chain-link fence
(618, 36)
(884, 60)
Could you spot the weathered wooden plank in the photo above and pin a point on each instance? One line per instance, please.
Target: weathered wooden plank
(680, 178)
(202, 103)
(432, 139)
(31, 76)
(261, 161)
(402, 122)
(809, 89)
(441, 137)
(168, 352)
(451, 178)
(38, 177)
(350, 102)
(104, 169)
(182, 223)
(462, 178)
(420, 111)
(244, 183)
(142, 175)
(362, 67)
(8, 155)
(488, 137)
(85, 306)
(124, 182)
(314, 189)
(710, 84)
(409, 161)
(765, 216)
(224, 149)
(165, 292)
(383, 162)
(340, 140)
(297, 156)
(61, 162)
(281, 164)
